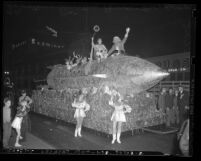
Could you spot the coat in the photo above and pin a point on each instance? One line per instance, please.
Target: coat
(183, 100)
(161, 102)
(169, 101)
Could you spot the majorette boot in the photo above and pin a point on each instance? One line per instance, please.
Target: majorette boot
(118, 138)
(79, 132)
(113, 138)
(76, 132)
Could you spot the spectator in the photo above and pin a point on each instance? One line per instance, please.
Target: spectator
(17, 122)
(11, 95)
(175, 106)
(161, 100)
(183, 138)
(6, 122)
(26, 123)
(183, 104)
(169, 107)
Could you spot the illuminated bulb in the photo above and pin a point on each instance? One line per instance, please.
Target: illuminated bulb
(33, 41)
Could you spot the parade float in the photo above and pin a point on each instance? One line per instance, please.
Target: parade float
(130, 76)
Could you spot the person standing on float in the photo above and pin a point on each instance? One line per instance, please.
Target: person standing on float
(100, 51)
(118, 45)
(118, 115)
(81, 107)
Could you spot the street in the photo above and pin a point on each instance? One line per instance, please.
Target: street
(48, 133)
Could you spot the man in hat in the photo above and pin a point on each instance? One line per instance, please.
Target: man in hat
(161, 100)
(183, 104)
(118, 44)
(169, 102)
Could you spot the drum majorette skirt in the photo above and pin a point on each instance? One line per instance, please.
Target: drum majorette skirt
(17, 123)
(79, 113)
(118, 116)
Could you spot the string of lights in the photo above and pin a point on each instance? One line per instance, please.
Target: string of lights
(38, 43)
(47, 44)
(176, 70)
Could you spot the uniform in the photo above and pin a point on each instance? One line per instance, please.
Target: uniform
(80, 107)
(119, 114)
(17, 123)
(18, 118)
(100, 51)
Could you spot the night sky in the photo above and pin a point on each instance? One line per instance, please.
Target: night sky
(154, 30)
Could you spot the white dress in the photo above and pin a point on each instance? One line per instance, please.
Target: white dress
(100, 50)
(118, 114)
(17, 122)
(80, 107)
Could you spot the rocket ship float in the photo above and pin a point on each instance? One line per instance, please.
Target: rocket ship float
(128, 75)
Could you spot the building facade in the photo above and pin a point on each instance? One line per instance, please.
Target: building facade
(51, 52)
(28, 59)
(178, 65)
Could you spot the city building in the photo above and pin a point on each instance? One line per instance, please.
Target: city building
(28, 59)
(178, 65)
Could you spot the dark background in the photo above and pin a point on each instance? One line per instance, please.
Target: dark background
(155, 30)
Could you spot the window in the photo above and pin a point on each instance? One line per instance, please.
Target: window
(173, 76)
(179, 76)
(176, 64)
(187, 76)
(159, 64)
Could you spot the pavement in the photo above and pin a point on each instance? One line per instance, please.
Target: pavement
(60, 135)
(48, 133)
(32, 142)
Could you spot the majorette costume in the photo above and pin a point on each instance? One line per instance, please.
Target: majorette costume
(80, 107)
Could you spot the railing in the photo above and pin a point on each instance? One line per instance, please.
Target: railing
(168, 84)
